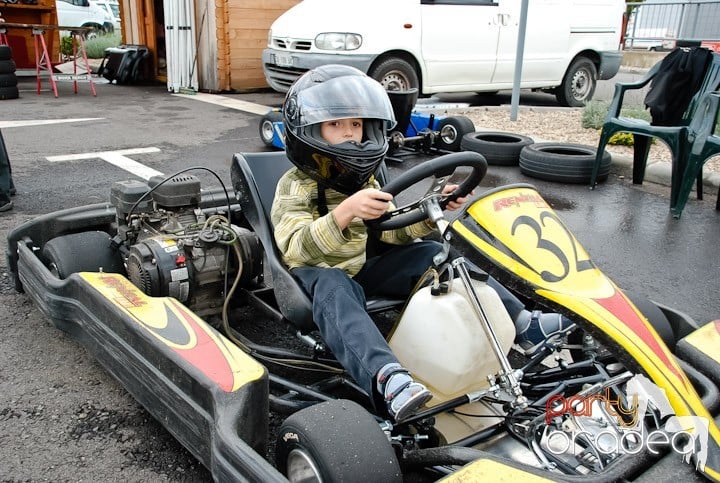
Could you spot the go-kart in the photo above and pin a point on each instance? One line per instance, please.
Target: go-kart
(176, 289)
(416, 132)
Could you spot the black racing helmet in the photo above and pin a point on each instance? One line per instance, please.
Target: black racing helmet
(334, 92)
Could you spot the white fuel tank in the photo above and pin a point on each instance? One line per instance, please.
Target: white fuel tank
(441, 340)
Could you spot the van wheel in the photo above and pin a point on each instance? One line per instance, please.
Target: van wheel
(395, 74)
(579, 83)
(451, 131)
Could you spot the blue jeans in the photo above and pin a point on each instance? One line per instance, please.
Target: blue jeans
(339, 305)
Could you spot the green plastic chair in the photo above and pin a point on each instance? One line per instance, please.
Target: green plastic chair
(678, 138)
(705, 145)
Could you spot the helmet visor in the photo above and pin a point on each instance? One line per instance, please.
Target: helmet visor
(343, 98)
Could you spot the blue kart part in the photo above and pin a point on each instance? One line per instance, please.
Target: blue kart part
(272, 129)
(415, 132)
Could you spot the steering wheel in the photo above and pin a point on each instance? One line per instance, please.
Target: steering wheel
(441, 168)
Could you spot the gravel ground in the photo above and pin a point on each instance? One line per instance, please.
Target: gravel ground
(561, 125)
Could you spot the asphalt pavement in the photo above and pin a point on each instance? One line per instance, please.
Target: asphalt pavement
(63, 418)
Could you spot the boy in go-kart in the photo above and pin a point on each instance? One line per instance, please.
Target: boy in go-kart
(336, 119)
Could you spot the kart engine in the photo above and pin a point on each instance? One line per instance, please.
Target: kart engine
(174, 248)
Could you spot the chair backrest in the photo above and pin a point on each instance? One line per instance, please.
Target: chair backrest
(255, 177)
(711, 82)
(679, 81)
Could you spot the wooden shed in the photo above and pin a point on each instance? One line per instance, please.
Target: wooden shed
(228, 36)
(41, 12)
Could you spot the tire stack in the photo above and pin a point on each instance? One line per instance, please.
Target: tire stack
(8, 79)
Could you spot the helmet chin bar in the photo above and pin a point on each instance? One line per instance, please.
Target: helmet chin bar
(508, 379)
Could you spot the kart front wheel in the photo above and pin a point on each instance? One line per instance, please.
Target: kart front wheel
(89, 251)
(267, 128)
(336, 440)
(451, 131)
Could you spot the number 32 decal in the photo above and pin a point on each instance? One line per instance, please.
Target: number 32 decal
(551, 247)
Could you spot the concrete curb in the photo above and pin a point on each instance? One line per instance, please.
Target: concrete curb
(660, 172)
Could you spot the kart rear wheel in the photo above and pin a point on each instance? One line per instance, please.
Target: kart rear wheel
(89, 251)
(267, 129)
(336, 440)
(452, 129)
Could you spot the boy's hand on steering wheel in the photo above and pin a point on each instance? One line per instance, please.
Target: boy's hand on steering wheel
(458, 203)
(367, 204)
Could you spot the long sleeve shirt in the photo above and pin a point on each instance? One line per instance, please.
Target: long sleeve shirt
(306, 238)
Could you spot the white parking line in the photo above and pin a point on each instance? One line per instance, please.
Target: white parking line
(116, 158)
(41, 122)
(227, 102)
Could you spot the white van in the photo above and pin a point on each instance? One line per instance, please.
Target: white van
(452, 45)
(112, 7)
(82, 13)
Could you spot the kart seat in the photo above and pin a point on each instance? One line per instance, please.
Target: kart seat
(254, 178)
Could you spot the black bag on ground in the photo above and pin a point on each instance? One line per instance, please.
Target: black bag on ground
(679, 78)
(126, 64)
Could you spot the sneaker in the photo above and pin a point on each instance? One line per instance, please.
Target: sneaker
(534, 328)
(6, 205)
(403, 395)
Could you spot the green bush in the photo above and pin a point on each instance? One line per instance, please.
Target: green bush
(95, 47)
(621, 139)
(595, 112)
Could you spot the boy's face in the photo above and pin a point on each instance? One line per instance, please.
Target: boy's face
(342, 130)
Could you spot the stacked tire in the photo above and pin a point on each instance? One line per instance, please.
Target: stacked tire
(8, 79)
(498, 148)
(563, 162)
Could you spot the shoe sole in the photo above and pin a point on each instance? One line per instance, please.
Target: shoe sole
(6, 207)
(413, 405)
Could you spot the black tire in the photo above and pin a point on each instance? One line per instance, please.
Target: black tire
(337, 440)
(655, 316)
(498, 148)
(395, 74)
(7, 93)
(578, 85)
(5, 52)
(562, 162)
(451, 132)
(89, 251)
(8, 80)
(7, 66)
(266, 128)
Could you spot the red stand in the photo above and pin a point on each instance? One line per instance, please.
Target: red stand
(42, 59)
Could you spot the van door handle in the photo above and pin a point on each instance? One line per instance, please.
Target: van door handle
(504, 19)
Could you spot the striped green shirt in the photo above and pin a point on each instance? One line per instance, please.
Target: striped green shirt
(307, 239)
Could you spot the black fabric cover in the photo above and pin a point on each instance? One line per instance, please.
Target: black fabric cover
(679, 78)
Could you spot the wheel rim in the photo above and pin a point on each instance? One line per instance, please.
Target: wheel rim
(581, 84)
(301, 468)
(395, 80)
(267, 131)
(448, 134)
